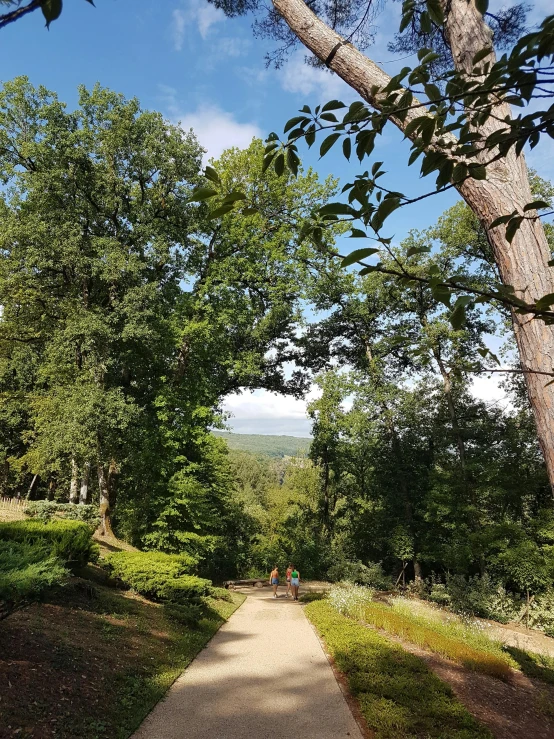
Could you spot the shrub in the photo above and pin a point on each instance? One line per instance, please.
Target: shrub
(541, 613)
(159, 576)
(26, 571)
(46, 510)
(69, 541)
(480, 596)
(371, 574)
(188, 614)
(398, 694)
(350, 599)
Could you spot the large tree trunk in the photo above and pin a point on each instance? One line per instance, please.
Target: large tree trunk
(521, 264)
(74, 487)
(83, 492)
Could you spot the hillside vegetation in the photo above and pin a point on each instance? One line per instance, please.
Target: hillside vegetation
(267, 445)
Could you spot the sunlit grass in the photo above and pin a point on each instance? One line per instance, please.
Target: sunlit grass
(454, 641)
(399, 696)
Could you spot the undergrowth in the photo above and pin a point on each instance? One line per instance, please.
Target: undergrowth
(399, 696)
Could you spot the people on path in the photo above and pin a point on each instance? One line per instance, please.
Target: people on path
(274, 580)
(288, 578)
(295, 583)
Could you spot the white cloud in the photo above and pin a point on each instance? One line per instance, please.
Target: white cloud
(232, 46)
(218, 130)
(262, 412)
(299, 77)
(197, 13)
(487, 388)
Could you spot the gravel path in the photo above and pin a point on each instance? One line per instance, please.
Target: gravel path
(264, 675)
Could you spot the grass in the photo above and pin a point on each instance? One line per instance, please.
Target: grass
(532, 664)
(398, 695)
(452, 640)
(91, 662)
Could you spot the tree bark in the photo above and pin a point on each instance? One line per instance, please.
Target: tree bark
(74, 487)
(105, 508)
(83, 493)
(521, 264)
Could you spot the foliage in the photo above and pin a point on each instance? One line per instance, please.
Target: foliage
(266, 445)
(535, 665)
(311, 597)
(480, 596)
(370, 575)
(27, 570)
(46, 510)
(159, 576)
(398, 695)
(70, 541)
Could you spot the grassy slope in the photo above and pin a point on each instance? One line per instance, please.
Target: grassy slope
(91, 662)
(269, 446)
(399, 696)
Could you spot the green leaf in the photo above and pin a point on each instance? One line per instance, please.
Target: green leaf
(267, 161)
(293, 122)
(233, 196)
(280, 164)
(417, 250)
(357, 255)
(249, 211)
(51, 10)
(481, 55)
(333, 105)
(512, 228)
(442, 294)
(482, 6)
(434, 9)
(406, 20)
(202, 193)
(212, 175)
(545, 302)
(457, 317)
(500, 220)
(535, 205)
(347, 148)
(550, 262)
(357, 233)
(336, 209)
(432, 92)
(221, 211)
(425, 22)
(478, 172)
(328, 143)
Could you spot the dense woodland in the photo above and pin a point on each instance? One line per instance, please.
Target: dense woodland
(129, 313)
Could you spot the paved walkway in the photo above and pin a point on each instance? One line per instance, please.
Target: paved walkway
(263, 676)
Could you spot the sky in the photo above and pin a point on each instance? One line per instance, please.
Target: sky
(207, 72)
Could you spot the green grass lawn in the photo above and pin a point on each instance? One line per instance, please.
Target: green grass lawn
(399, 696)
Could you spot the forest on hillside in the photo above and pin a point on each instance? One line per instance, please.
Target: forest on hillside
(130, 311)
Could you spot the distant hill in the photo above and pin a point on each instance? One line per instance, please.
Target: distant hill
(269, 446)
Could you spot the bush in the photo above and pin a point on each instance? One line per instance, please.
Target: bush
(398, 694)
(480, 596)
(184, 614)
(159, 576)
(26, 571)
(46, 510)
(350, 599)
(69, 541)
(541, 613)
(371, 574)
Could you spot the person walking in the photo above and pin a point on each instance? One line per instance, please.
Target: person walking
(274, 580)
(288, 579)
(295, 582)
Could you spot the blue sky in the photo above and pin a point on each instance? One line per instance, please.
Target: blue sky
(184, 58)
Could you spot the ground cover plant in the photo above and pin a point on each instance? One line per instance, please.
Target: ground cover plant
(26, 571)
(451, 640)
(70, 541)
(92, 661)
(397, 693)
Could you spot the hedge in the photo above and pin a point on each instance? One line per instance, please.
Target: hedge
(69, 541)
(159, 576)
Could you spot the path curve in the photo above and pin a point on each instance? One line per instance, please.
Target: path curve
(263, 675)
